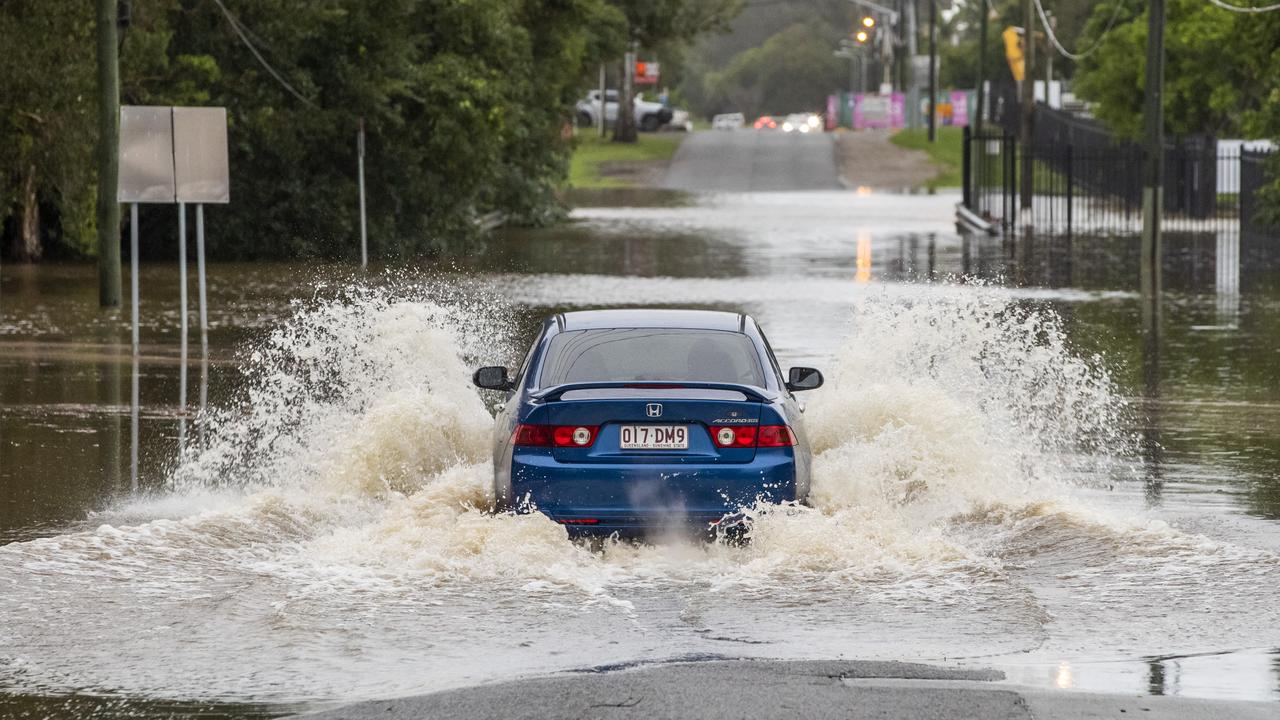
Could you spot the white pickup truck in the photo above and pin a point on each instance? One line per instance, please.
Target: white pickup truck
(649, 115)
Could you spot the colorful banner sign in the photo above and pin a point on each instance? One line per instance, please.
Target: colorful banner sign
(877, 111)
(647, 73)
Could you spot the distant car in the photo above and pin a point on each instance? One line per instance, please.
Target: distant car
(649, 115)
(680, 121)
(728, 121)
(631, 421)
(765, 122)
(802, 122)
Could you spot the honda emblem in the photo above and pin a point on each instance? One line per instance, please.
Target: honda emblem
(653, 409)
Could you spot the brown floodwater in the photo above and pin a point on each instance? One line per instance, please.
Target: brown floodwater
(1012, 470)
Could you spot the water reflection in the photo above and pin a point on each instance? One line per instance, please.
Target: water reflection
(863, 261)
(1227, 280)
(134, 410)
(1062, 678)
(1152, 318)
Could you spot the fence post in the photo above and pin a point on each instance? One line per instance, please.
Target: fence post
(1071, 181)
(1010, 181)
(966, 167)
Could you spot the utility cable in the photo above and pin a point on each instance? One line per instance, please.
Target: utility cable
(235, 25)
(1239, 9)
(1044, 20)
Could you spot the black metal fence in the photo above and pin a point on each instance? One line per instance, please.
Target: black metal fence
(1085, 181)
(1259, 235)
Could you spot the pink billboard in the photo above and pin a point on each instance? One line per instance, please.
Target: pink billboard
(877, 111)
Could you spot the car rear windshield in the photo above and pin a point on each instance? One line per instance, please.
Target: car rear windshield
(642, 354)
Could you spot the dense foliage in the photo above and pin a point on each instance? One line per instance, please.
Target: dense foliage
(775, 59)
(464, 103)
(1222, 70)
(791, 71)
(47, 125)
(1222, 77)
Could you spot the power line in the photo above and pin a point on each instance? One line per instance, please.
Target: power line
(1044, 20)
(1239, 9)
(235, 25)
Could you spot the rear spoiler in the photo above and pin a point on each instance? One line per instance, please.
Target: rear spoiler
(554, 392)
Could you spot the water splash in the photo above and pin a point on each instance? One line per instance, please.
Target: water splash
(342, 502)
(366, 393)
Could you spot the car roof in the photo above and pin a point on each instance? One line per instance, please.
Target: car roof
(652, 318)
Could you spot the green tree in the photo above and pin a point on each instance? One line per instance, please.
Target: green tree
(1222, 78)
(793, 70)
(655, 23)
(47, 123)
(465, 102)
(1222, 74)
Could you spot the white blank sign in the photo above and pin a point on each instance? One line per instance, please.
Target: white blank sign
(200, 155)
(146, 155)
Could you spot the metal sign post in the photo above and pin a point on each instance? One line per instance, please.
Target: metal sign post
(133, 271)
(204, 312)
(182, 293)
(364, 241)
(201, 175)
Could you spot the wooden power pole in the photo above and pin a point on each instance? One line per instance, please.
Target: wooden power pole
(933, 71)
(108, 155)
(978, 118)
(1028, 104)
(1153, 170)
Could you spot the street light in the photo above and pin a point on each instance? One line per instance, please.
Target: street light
(868, 22)
(861, 36)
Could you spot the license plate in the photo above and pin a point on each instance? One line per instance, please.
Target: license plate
(655, 437)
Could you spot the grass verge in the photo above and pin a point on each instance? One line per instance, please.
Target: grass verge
(946, 153)
(595, 158)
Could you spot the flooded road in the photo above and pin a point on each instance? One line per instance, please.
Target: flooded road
(1009, 474)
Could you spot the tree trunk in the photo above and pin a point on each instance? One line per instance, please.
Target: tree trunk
(26, 246)
(624, 128)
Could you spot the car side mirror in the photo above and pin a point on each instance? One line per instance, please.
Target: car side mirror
(803, 378)
(492, 378)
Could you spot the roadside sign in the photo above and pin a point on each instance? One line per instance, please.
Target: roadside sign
(647, 73)
(200, 155)
(173, 155)
(146, 155)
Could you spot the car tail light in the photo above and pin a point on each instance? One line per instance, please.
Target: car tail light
(555, 435)
(775, 436)
(537, 435)
(579, 521)
(746, 436)
(734, 436)
(574, 435)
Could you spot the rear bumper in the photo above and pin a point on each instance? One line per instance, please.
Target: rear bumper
(634, 498)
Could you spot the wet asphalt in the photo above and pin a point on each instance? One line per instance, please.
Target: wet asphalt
(781, 689)
(754, 161)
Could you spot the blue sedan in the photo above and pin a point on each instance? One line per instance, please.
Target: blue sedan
(642, 421)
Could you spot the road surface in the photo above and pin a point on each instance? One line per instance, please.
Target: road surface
(779, 689)
(754, 161)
